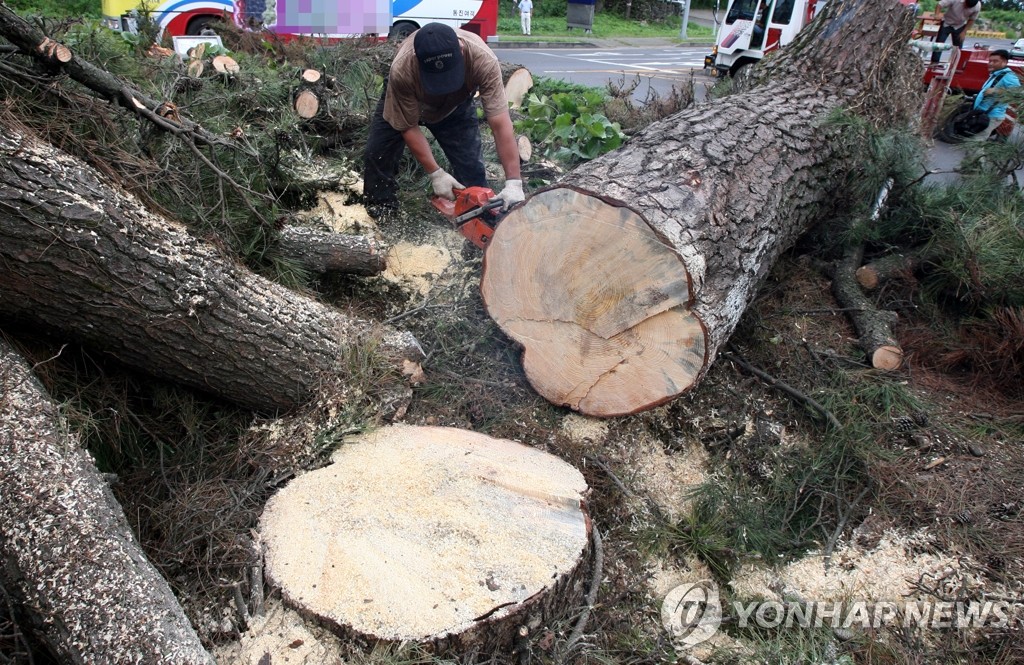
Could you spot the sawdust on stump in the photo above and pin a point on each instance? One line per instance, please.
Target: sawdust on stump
(432, 535)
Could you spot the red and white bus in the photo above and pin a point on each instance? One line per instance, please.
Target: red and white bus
(332, 19)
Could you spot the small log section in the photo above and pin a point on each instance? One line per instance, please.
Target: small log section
(313, 92)
(623, 280)
(323, 252)
(433, 535)
(67, 554)
(891, 267)
(874, 326)
(518, 81)
(81, 256)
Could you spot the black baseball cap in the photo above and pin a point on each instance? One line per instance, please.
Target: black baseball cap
(442, 67)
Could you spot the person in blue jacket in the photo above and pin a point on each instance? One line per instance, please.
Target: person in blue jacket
(989, 99)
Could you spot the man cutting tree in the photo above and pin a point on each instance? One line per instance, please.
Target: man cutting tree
(431, 84)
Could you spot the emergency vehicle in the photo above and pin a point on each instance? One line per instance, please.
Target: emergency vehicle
(755, 27)
(331, 19)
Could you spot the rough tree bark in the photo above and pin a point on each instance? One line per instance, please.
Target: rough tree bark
(622, 281)
(80, 255)
(66, 551)
(323, 252)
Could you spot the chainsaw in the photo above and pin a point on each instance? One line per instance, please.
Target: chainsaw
(473, 213)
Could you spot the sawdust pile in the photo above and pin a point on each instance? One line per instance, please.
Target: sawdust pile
(885, 572)
(282, 634)
(332, 211)
(580, 428)
(417, 266)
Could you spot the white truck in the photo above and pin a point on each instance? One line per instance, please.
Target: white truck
(755, 27)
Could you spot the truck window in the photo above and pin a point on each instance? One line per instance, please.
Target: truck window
(741, 10)
(783, 12)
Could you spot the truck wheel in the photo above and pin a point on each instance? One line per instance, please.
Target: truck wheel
(401, 30)
(200, 23)
(736, 69)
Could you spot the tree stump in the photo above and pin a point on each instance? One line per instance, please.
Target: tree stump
(433, 535)
(645, 258)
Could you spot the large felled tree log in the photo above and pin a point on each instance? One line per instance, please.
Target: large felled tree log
(432, 535)
(622, 281)
(66, 551)
(80, 255)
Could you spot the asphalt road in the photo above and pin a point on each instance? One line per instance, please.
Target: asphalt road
(657, 68)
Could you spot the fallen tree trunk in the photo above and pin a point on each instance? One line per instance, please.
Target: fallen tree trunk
(83, 257)
(622, 281)
(322, 252)
(66, 551)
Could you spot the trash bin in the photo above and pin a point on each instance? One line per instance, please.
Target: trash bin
(580, 14)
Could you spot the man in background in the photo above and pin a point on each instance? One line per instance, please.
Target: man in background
(525, 13)
(1000, 78)
(956, 18)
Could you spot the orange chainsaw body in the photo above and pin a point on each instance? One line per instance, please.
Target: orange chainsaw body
(479, 227)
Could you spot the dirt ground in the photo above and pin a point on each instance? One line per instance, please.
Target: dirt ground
(939, 515)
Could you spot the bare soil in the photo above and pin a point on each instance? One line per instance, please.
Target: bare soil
(941, 516)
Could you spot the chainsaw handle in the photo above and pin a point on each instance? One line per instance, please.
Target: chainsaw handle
(476, 212)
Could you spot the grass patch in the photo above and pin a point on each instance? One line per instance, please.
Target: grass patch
(58, 8)
(605, 25)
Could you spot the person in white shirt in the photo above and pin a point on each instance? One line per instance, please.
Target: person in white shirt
(525, 11)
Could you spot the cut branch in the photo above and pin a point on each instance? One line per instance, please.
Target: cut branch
(31, 41)
(891, 266)
(874, 326)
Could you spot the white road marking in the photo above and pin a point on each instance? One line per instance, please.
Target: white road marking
(643, 61)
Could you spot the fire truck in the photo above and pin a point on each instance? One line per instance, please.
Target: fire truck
(331, 19)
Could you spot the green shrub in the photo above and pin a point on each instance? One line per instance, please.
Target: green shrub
(569, 126)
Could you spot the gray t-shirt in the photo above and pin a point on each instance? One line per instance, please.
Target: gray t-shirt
(956, 14)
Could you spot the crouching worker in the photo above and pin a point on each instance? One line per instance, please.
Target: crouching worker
(432, 81)
(1000, 78)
